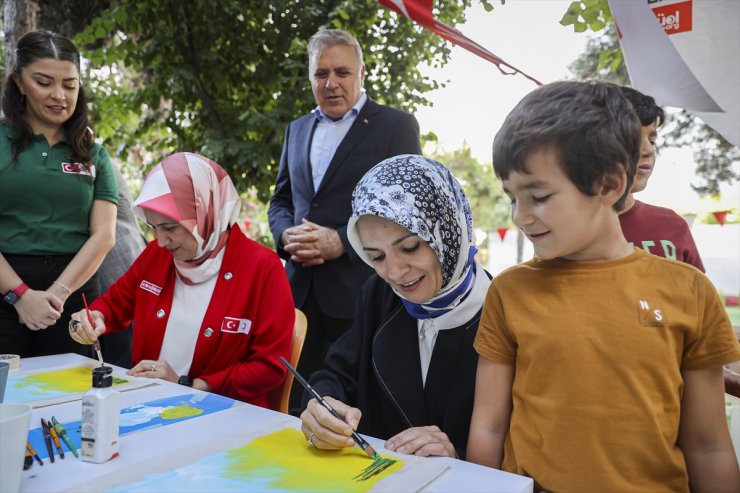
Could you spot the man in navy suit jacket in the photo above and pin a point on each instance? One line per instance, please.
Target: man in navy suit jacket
(325, 154)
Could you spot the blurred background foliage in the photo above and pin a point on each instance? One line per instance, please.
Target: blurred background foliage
(225, 78)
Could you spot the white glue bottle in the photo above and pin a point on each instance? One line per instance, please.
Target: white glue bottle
(100, 414)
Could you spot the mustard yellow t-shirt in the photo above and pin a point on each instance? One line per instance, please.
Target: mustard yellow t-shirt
(598, 350)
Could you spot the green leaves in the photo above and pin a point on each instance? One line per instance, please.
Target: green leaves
(488, 6)
(587, 14)
(596, 25)
(225, 78)
(611, 59)
(572, 15)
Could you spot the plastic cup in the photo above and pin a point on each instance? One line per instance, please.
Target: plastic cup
(14, 421)
(4, 369)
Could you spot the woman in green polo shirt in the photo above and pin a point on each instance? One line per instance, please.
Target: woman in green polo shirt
(59, 195)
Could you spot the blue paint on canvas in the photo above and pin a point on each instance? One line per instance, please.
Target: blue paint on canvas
(142, 416)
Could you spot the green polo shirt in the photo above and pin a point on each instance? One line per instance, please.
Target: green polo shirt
(45, 198)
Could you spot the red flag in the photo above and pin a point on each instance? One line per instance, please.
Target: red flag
(421, 12)
(502, 232)
(720, 216)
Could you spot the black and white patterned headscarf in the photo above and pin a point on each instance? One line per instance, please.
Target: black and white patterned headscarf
(424, 197)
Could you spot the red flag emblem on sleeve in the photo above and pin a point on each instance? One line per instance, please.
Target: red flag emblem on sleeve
(236, 325)
(78, 169)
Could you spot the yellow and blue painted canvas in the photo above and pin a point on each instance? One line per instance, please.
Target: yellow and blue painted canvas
(50, 384)
(280, 461)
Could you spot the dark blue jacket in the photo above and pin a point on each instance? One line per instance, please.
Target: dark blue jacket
(378, 132)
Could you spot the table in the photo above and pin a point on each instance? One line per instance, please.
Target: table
(152, 443)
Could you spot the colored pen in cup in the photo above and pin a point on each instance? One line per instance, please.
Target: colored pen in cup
(366, 447)
(33, 453)
(63, 434)
(90, 319)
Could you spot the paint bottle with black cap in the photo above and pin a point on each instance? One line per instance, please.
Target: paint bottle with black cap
(100, 415)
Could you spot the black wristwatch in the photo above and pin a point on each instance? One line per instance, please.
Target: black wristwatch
(185, 380)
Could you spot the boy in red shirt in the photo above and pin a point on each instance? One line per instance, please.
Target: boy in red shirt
(657, 230)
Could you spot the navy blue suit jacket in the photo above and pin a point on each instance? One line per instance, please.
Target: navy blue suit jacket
(378, 132)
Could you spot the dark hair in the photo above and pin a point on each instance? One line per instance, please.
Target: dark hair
(590, 125)
(31, 47)
(647, 110)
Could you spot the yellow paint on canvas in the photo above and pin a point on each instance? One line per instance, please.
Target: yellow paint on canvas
(179, 412)
(293, 465)
(71, 380)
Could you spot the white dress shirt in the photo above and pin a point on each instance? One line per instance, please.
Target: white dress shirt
(327, 136)
(429, 327)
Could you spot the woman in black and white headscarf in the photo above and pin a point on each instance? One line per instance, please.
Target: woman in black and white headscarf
(406, 370)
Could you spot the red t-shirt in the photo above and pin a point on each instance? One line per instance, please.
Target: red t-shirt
(661, 232)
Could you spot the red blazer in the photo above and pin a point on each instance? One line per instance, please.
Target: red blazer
(251, 286)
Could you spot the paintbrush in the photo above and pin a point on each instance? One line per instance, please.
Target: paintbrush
(89, 319)
(366, 447)
(63, 434)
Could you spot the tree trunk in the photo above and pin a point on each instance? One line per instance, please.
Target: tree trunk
(64, 17)
(20, 18)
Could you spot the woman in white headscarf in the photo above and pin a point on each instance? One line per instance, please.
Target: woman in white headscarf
(406, 370)
(211, 308)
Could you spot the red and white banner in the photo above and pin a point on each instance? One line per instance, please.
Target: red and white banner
(685, 53)
(420, 11)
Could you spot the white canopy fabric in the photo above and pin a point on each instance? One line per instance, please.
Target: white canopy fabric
(686, 54)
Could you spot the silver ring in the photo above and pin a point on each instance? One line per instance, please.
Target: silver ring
(73, 325)
(310, 440)
(152, 367)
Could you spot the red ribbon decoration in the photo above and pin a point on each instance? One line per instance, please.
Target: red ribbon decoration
(421, 12)
(502, 232)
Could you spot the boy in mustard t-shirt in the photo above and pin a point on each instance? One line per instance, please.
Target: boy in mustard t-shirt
(600, 365)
